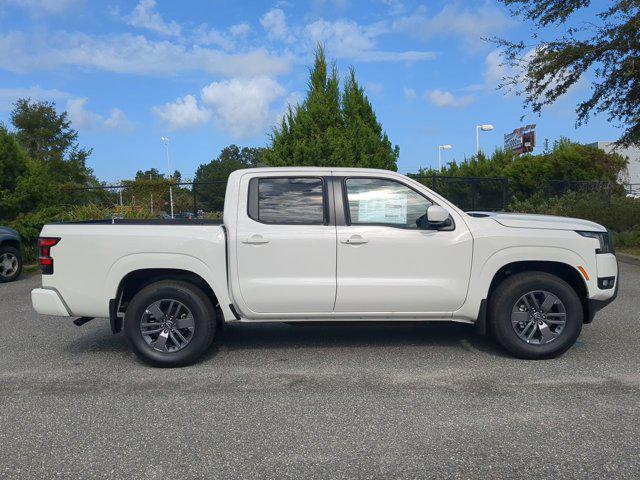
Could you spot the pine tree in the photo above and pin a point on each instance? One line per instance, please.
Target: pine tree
(330, 129)
(366, 144)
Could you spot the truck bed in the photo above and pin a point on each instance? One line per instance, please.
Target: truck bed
(93, 257)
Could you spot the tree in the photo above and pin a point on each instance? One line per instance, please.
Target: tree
(330, 129)
(606, 48)
(47, 137)
(41, 163)
(13, 165)
(366, 143)
(528, 174)
(13, 160)
(211, 177)
(45, 133)
(150, 174)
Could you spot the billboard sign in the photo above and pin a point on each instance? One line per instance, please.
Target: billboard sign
(521, 140)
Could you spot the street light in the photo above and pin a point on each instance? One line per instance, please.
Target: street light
(165, 141)
(484, 128)
(440, 148)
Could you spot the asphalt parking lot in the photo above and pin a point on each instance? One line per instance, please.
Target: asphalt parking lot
(279, 401)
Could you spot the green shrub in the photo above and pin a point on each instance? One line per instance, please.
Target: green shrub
(29, 225)
(618, 213)
(630, 238)
(531, 174)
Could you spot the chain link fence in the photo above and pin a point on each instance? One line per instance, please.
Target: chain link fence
(470, 193)
(206, 199)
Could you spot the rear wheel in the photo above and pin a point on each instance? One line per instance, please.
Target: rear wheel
(170, 323)
(10, 264)
(535, 315)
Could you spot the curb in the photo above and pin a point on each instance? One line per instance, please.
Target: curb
(626, 258)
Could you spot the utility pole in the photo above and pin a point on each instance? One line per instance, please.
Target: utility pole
(165, 141)
(440, 148)
(151, 197)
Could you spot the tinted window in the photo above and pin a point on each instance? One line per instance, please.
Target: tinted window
(379, 201)
(290, 200)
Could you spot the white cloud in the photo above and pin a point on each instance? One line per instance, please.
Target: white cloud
(323, 4)
(75, 107)
(240, 29)
(347, 39)
(409, 93)
(373, 87)
(292, 100)
(441, 98)
(396, 7)
(42, 7)
(514, 77)
(127, 53)
(495, 71)
(117, 120)
(452, 20)
(82, 118)
(344, 36)
(242, 107)
(8, 96)
(183, 113)
(144, 15)
(210, 36)
(275, 24)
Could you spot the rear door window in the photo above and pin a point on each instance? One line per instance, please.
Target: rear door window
(288, 200)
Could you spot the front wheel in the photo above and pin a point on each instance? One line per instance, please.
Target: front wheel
(170, 323)
(535, 315)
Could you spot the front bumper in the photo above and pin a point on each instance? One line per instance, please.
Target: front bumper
(47, 301)
(596, 304)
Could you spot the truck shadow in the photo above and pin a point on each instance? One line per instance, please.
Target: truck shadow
(283, 336)
(276, 336)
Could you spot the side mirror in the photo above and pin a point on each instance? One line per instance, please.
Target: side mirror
(436, 215)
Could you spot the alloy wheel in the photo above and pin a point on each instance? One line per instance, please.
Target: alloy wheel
(538, 317)
(8, 264)
(167, 325)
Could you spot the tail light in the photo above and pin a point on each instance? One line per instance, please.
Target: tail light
(44, 254)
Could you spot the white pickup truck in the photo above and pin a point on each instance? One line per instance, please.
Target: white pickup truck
(329, 244)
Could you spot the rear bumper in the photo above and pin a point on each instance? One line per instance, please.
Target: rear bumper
(46, 301)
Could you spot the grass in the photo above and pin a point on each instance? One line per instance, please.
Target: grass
(30, 268)
(630, 250)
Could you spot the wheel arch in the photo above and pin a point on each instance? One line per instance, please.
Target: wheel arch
(562, 270)
(136, 280)
(10, 242)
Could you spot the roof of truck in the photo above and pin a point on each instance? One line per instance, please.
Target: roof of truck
(316, 169)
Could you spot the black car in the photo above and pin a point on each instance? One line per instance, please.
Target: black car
(10, 255)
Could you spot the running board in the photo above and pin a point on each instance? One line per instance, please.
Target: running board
(78, 322)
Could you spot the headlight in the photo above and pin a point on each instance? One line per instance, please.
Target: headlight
(606, 245)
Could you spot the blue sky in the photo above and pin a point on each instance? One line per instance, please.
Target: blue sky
(210, 73)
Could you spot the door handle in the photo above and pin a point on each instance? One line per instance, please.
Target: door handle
(355, 240)
(256, 239)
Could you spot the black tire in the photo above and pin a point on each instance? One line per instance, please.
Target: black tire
(18, 255)
(189, 295)
(503, 300)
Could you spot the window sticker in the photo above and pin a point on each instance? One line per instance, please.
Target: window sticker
(386, 209)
